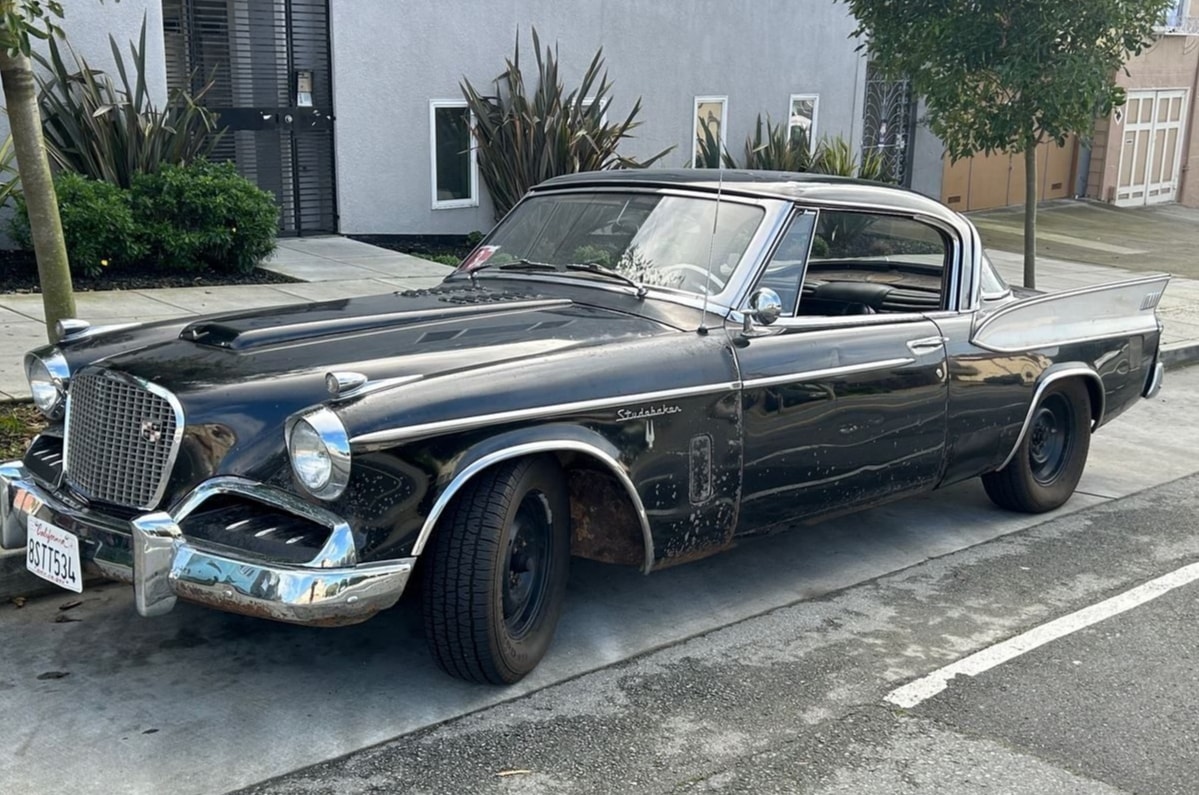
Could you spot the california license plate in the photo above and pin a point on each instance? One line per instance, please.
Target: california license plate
(53, 554)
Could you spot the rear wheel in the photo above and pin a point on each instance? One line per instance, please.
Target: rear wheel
(497, 570)
(1049, 462)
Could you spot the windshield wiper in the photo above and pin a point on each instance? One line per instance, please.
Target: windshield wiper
(514, 265)
(604, 270)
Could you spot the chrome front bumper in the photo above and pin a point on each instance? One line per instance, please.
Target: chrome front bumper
(152, 553)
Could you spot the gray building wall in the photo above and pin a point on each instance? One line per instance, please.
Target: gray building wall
(391, 59)
(927, 163)
(88, 24)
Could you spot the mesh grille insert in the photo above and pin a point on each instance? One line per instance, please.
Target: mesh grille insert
(121, 440)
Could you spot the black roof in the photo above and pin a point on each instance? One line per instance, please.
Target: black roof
(802, 187)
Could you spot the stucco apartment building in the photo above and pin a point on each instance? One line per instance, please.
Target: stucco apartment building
(351, 112)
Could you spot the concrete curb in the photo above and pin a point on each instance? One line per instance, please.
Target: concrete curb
(1180, 354)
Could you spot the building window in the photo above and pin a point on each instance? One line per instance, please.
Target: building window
(801, 119)
(1174, 17)
(709, 125)
(455, 170)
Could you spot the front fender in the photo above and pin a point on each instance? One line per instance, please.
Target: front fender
(553, 438)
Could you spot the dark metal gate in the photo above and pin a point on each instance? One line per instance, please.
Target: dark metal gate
(273, 90)
(890, 125)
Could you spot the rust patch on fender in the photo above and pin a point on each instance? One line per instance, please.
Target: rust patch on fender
(604, 524)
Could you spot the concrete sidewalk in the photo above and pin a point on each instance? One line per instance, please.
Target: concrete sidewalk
(336, 267)
(330, 267)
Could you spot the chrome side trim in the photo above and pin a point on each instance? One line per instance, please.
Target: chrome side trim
(830, 372)
(378, 439)
(1071, 316)
(531, 448)
(1057, 375)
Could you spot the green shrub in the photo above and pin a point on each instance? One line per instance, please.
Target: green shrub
(204, 215)
(444, 259)
(97, 223)
(189, 217)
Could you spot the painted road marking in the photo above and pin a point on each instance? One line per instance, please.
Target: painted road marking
(926, 687)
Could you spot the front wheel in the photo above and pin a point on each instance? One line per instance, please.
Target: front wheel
(1049, 462)
(497, 569)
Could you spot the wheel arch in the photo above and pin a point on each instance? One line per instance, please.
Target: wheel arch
(560, 440)
(1055, 374)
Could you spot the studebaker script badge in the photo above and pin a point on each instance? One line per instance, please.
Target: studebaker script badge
(646, 412)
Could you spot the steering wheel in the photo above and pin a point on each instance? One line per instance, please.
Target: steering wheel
(689, 272)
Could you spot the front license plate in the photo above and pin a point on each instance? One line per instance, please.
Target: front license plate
(53, 554)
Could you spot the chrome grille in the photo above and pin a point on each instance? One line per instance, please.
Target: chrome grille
(121, 440)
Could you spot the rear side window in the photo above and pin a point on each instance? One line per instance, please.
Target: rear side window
(869, 263)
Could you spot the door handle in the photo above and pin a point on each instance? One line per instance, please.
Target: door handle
(926, 344)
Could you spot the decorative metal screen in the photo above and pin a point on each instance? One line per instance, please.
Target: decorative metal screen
(270, 64)
(890, 125)
(121, 439)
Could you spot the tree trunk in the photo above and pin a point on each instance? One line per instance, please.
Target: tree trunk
(45, 226)
(1030, 215)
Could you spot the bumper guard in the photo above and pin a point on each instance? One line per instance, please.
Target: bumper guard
(152, 553)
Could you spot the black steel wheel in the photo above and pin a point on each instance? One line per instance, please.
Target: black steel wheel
(496, 572)
(1052, 455)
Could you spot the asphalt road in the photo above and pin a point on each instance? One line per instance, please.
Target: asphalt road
(764, 669)
(794, 700)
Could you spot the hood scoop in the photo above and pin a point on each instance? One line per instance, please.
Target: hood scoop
(259, 331)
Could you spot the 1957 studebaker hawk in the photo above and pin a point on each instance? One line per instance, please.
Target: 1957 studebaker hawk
(636, 367)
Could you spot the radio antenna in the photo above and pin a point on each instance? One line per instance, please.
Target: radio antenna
(703, 318)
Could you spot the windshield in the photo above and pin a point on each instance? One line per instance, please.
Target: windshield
(662, 241)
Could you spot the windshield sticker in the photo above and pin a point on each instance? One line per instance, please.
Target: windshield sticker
(481, 255)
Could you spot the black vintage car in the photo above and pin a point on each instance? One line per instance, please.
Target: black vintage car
(633, 367)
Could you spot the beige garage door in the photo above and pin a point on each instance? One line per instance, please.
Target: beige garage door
(1150, 126)
(986, 181)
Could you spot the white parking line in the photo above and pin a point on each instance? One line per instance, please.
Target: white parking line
(926, 687)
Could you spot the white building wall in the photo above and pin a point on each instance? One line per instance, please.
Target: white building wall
(88, 24)
(391, 58)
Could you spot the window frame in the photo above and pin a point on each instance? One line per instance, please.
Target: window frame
(815, 117)
(950, 306)
(473, 178)
(1165, 27)
(724, 122)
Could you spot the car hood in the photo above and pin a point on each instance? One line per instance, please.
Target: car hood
(239, 376)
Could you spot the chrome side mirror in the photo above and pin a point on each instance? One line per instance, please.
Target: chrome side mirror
(765, 307)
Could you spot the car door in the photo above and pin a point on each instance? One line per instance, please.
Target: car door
(844, 396)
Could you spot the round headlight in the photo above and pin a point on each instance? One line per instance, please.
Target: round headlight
(48, 382)
(320, 453)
